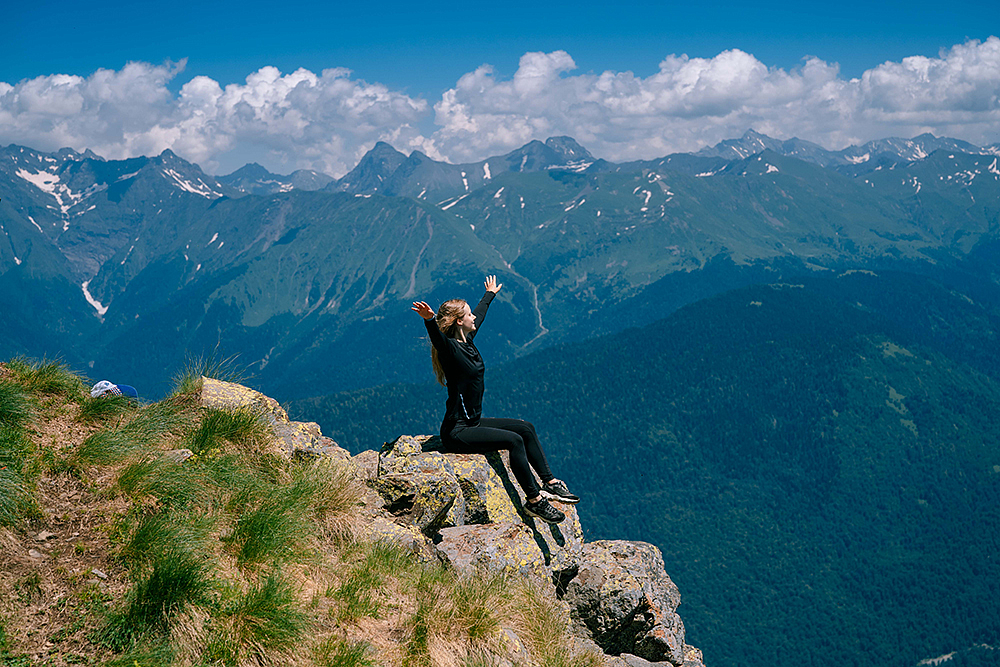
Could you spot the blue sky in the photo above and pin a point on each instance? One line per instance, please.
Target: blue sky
(424, 49)
(419, 53)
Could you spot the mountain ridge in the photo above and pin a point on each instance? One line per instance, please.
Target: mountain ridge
(571, 239)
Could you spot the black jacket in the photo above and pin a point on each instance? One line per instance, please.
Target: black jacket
(463, 370)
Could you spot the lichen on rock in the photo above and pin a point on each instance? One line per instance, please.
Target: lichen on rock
(622, 595)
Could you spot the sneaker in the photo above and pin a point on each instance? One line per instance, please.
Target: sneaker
(558, 491)
(545, 511)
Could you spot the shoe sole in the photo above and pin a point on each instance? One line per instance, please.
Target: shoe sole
(551, 522)
(558, 499)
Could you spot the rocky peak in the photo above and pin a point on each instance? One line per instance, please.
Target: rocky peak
(569, 149)
(252, 170)
(374, 168)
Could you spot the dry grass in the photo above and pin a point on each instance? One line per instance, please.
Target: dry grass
(323, 597)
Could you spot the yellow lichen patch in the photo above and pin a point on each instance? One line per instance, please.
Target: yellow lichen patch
(219, 394)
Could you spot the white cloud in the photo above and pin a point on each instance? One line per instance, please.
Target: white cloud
(328, 120)
(693, 102)
(302, 119)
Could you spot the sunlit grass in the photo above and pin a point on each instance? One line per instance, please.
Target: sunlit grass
(105, 410)
(242, 427)
(175, 580)
(16, 406)
(260, 625)
(338, 652)
(46, 377)
(189, 379)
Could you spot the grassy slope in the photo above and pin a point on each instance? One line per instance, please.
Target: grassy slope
(117, 554)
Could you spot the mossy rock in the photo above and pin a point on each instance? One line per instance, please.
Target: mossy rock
(426, 500)
(488, 491)
(497, 547)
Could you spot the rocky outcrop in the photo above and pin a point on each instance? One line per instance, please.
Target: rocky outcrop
(467, 511)
(456, 492)
(471, 511)
(292, 439)
(623, 597)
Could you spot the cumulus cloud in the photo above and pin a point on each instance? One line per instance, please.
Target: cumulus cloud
(693, 102)
(323, 121)
(326, 121)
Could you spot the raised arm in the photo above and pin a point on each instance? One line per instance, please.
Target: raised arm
(426, 312)
(492, 287)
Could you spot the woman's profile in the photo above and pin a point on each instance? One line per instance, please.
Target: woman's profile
(459, 367)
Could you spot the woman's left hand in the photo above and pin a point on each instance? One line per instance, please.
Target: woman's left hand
(492, 285)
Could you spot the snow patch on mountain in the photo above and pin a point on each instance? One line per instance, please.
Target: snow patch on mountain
(447, 206)
(101, 309)
(52, 185)
(199, 188)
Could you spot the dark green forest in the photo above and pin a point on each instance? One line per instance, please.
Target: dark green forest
(818, 460)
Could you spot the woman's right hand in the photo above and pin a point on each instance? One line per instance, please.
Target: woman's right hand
(423, 310)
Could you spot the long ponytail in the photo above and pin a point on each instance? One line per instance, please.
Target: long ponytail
(447, 319)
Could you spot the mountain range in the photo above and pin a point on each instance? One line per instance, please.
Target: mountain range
(776, 362)
(309, 279)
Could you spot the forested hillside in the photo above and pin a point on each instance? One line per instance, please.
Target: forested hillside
(818, 460)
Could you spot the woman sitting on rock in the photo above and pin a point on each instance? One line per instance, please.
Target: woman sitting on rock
(464, 430)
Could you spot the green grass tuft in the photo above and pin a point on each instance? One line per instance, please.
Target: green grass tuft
(17, 474)
(16, 406)
(274, 527)
(542, 624)
(188, 380)
(147, 428)
(260, 624)
(155, 655)
(333, 493)
(477, 604)
(243, 427)
(45, 377)
(162, 533)
(175, 580)
(337, 652)
(16, 498)
(105, 409)
(107, 447)
(171, 483)
(359, 593)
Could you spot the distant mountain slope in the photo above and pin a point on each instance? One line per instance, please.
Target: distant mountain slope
(387, 171)
(818, 461)
(852, 160)
(156, 251)
(315, 294)
(253, 179)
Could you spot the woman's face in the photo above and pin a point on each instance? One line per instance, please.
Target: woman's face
(467, 322)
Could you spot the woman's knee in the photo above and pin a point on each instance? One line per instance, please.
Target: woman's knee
(517, 444)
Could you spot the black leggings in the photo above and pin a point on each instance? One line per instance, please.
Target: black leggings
(492, 435)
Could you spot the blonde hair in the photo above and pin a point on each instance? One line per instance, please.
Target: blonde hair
(447, 319)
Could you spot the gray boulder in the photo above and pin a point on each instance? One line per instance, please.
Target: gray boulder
(426, 498)
(488, 495)
(623, 597)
